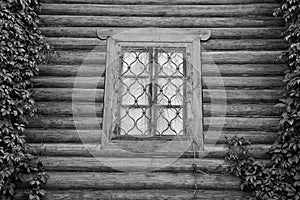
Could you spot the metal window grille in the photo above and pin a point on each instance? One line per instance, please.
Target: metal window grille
(152, 87)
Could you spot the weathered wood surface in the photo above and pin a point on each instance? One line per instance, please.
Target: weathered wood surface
(86, 164)
(78, 136)
(231, 123)
(159, 10)
(92, 109)
(140, 195)
(244, 44)
(96, 95)
(208, 82)
(241, 70)
(111, 164)
(216, 33)
(168, 2)
(85, 70)
(214, 57)
(63, 43)
(138, 180)
(166, 22)
(246, 96)
(93, 150)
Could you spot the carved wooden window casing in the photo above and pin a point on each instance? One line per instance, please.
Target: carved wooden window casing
(153, 87)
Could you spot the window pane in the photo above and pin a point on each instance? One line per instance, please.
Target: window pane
(152, 92)
(134, 91)
(170, 64)
(135, 64)
(134, 121)
(170, 91)
(170, 121)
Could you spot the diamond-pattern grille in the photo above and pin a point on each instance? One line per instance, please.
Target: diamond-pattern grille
(152, 92)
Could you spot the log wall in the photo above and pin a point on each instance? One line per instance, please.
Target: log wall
(242, 52)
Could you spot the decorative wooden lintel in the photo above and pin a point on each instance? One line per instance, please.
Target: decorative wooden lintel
(156, 34)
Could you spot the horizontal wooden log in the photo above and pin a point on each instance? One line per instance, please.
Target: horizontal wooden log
(241, 57)
(168, 2)
(242, 82)
(220, 44)
(96, 109)
(78, 57)
(243, 44)
(67, 94)
(66, 82)
(94, 150)
(138, 180)
(69, 108)
(66, 123)
(62, 135)
(216, 33)
(85, 164)
(91, 123)
(79, 136)
(159, 10)
(243, 69)
(214, 96)
(215, 57)
(167, 22)
(207, 70)
(245, 96)
(139, 194)
(208, 82)
(86, 70)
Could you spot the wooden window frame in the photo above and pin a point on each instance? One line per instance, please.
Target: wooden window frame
(153, 37)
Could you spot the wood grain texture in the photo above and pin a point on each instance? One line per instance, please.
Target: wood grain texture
(63, 43)
(138, 180)
(213, 57)
(243, 70)
(239, 70)
(92, 109)
(85, 164)
(140, 195)
(93, 150)
(231, 123)
(242, 52)
(96, 95)
(166, 22)
(78, 136)
(85, 70)
(176, 2)
(159, 10)
(208, 82)
(217, 33)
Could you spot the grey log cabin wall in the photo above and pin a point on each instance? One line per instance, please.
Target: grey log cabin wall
(245, 41)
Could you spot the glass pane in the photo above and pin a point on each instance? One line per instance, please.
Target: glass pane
(170, 64)
(135, 64)
(170, 91)
(143, 101)
(134, 121)
(135, 91)
(170, 121)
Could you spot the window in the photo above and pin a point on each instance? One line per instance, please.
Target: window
(152, 91)
(153, 87)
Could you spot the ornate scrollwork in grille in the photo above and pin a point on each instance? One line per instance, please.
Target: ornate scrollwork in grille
(153, 86)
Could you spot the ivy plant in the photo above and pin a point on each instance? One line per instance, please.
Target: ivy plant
(280, 177)
(22, 48)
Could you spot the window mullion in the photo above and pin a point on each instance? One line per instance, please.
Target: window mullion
(153, 103)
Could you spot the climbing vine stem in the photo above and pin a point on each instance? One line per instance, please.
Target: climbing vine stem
(22, 48)
(278, 178)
